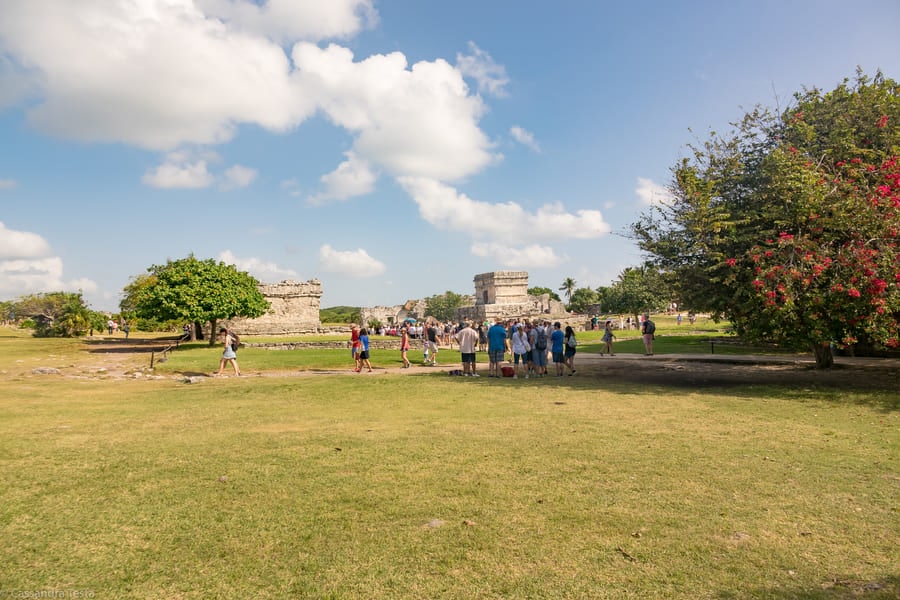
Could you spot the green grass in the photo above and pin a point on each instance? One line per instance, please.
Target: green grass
(339, 486)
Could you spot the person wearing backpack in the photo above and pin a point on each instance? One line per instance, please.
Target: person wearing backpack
(571, 344)
(539, 349)
(648, 328)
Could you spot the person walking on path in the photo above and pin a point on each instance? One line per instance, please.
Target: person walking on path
(229, 354)
(556, 348)
(404, 346)
(468, 340)
(497, 348)
(571, 344)
(354, 344)
(363, 356)
(648, 328)
(608, 338)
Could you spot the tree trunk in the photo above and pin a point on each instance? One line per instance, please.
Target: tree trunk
(198, 329)
(824, 356)
(212, 332)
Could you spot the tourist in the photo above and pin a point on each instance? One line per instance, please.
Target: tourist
(109, 326)
(678, 319)
(648, 328)
(608, 338)
(363, 355)
(404, 346)
(520, 347)
(570, 346)
(497, 348)
(556, 348)
(467, 338)
(482, 337)
(229, 354)
(354, 344)
(431, 343)
(539, 349)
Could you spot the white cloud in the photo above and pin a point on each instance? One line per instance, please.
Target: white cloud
(238, 176)
(531, 256)
(7, 184)
(412, 121)
(290, 20)
(154, 73)
(21, 244)
(353, 177)
(650, 192)
(26, 266)
(355, 263)
(265, 272)
(526, 138)
(480, 66)
(178, 173)
(507, 222)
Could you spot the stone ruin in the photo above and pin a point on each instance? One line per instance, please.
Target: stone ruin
(392, 315)
(502, 295)
(294, 309)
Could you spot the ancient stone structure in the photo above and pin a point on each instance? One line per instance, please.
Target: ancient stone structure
(502, 295)
(391, 315)
(294, 309)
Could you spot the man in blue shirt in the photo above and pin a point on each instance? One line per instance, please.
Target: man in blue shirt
(497, 348)
(556, 348)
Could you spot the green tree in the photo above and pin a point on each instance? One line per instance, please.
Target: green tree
(787, 225)
(637, 290)
(568, 286)
(443, 306)
(193, 290)
(56, 314)
(582, 299)
(539, 291)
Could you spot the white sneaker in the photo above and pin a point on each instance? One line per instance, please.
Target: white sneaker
(475, 375)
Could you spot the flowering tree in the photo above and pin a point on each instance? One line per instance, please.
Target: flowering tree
(789, 226)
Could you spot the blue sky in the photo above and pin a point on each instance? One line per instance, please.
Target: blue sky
(390, 149)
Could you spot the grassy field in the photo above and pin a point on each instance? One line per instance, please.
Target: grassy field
(426, 486)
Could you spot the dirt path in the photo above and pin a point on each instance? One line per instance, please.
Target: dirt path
(130, 359)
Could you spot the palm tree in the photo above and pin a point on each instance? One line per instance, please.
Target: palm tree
(568, 286)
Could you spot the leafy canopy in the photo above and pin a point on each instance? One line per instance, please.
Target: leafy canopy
(443, 306)
(189, 290)
(788, 225)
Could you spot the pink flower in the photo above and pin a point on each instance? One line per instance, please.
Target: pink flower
(882, 122)
(853, 293)
(731, 262)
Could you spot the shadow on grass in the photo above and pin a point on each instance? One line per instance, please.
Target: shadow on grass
(887, 587)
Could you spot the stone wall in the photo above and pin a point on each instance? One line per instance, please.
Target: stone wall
(503, 295)
(294, 309)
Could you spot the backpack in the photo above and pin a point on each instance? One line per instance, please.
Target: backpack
(540, 342)
(235, 340)
(651, 327)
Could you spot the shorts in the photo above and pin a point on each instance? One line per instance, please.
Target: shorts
(570, 352)
(516, 358)
(229, 354)
(496, 355)
(364, 355)
(539, 357)
(468, 358)
(558, 357)
(432, 347)
(528, 356)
